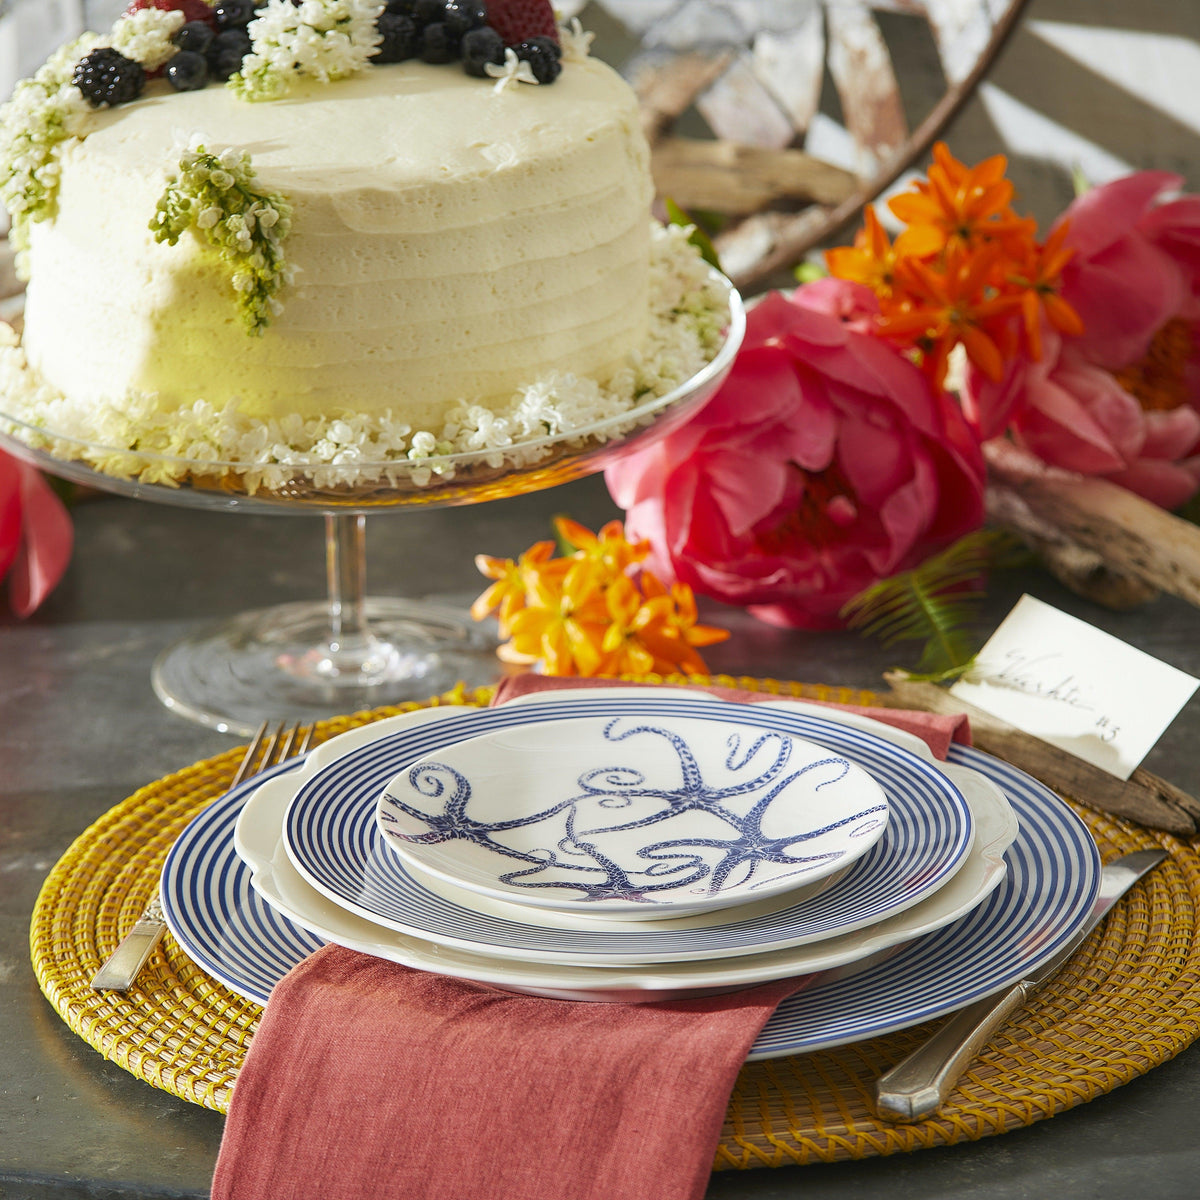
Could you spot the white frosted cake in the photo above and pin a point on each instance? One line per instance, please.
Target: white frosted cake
(469, 261)
(446, 242)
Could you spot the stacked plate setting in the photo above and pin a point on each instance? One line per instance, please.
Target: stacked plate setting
(641, 845)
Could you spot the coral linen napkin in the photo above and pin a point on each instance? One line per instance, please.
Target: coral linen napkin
(367, 1079)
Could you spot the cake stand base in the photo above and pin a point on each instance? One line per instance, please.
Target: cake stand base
(288, 663)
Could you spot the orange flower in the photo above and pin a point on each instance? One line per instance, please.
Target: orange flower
(667, 625)
(870, 261)
(624, 652)
(583, 614)
(951, 307)
(506, 597)
(1039, 277)
(966, 271)
(563, 622)
(959, 208)
(609, 547)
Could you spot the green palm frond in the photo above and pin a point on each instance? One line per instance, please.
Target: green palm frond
(935, 603)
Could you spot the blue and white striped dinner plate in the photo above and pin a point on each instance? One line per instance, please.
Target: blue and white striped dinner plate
(1046, 895)
(333, 840)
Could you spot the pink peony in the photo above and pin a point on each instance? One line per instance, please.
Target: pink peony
(824, 463)
(1121, 400)
(35, 535)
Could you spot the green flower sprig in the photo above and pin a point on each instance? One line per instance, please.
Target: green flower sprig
(215, 196)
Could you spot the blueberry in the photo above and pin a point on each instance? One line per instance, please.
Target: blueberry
(461, 16)
(195, 36)
(187, 71)
(234, 14)
(480, 47)
(544, 56)
(437, 46)
(399, 38)
(226, 53)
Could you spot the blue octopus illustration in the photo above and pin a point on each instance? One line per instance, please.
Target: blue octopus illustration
(579, 862)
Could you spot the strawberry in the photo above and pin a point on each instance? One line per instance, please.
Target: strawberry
(193, 10)
(519, 20)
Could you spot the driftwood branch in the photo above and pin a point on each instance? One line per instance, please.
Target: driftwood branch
(746, 241)
(1144, 797)
(1128, 535)
(729, 178)
(667, 88)
(1082, 570)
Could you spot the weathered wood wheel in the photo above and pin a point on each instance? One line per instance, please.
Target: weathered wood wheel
(780, 119)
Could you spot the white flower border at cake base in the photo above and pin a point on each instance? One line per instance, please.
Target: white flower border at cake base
(131, 439)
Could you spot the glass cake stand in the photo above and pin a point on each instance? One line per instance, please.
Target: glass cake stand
(313, 659)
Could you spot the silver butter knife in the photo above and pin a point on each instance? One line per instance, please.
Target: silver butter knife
(916, 1087)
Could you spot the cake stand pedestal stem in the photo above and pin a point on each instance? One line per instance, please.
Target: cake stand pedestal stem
(321, 658)
(352, 648)
(346, 572)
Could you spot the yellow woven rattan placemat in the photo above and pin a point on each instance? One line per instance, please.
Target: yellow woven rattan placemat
(1129, 1000)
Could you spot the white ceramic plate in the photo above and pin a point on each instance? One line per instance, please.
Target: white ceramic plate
(333, 841)
(641, 818)
(1045, 896)
(259, 842)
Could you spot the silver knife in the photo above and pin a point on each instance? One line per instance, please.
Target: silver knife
(917, 1087)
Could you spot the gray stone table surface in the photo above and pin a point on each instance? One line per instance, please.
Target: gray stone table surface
(80, 729)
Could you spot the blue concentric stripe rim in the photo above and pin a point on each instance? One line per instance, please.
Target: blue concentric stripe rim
(334, 842)
(1047, 893)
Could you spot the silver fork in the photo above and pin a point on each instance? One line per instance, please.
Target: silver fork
(122, 966)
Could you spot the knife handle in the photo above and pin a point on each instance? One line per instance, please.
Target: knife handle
(917, 1086)
(122, 968)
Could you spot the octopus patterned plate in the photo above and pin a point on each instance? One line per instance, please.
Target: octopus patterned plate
(334, 842)
(1044, 897)
(258, 842)
(638, 818)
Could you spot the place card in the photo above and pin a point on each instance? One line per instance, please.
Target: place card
(1076, 687)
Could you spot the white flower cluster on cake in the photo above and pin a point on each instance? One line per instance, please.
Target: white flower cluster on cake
(43, 114)
(145, 36)
(130, 437)
(47, 111)
(324, 39)
(216, 196)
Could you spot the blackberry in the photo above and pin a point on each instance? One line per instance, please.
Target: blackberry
(195, 36)
(187, 71)
(437, 46)
(399, 38)
(225, 54)
(461, 16)
(401, 8)
(480, 47)
(234, 14)
(107, 77)
(543, 55)
(428, 12)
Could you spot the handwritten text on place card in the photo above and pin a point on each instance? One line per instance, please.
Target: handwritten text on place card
(1076, 687)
